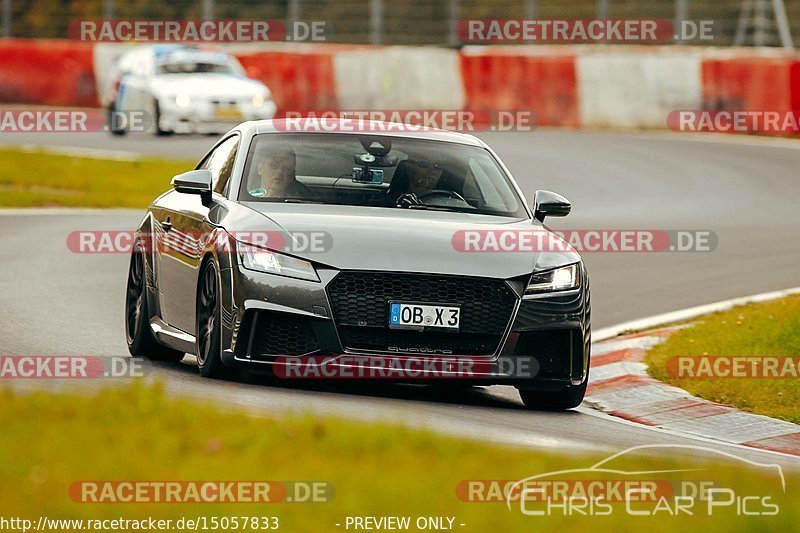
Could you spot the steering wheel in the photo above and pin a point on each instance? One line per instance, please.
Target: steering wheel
(441, 192)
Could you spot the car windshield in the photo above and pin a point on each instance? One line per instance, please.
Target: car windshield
(193, 67)
(377, 171)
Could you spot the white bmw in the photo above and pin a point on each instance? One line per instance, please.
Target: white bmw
(185, 90)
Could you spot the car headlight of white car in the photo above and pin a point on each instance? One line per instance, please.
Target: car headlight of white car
(557, 279)
(183, 100)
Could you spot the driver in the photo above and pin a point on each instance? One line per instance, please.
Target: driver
(275, 166)
(423, 175)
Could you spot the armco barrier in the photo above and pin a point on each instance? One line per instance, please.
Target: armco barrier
(637, 87)
(509, 79)
(50, 72)
(298, 81)
(399, 77)
(752, 83)
(749, 83)
(563, 85)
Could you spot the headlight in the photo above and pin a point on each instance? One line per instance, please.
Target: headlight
(183, 100)
(262, 260)
(558, 279)
(258, 100)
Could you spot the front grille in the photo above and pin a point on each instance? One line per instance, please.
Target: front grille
(360, 302)
(278, 334)
(223, 102)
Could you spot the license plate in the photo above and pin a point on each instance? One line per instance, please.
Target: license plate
(227, 113)
(416, 316)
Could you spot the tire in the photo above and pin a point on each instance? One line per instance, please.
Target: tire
(141, 342)
(571, 396)
(562, 400)
(157, 121)
(209, 345)
(111, 121)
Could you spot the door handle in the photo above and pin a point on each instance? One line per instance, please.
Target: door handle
(167, 225)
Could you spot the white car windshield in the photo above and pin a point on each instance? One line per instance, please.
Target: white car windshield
(195, 67)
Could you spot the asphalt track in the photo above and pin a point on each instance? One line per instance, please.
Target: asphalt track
(53, 301)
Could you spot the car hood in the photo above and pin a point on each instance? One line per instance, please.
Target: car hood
(401, 240)
(206, 84)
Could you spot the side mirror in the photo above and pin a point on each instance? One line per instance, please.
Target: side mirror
(193, 182)
(550, 204)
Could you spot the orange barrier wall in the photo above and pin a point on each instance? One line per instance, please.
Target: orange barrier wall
(50, 72)
(545, 85)
(752, 83)
(299, 81)
(544, 80)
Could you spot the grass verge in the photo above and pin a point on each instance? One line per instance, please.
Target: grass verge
(44, 179)
(49, 441)
(758, 330)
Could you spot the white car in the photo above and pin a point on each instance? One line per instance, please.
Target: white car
(185, 90)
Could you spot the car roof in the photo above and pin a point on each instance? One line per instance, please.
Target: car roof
(161, 49)
(358, 127)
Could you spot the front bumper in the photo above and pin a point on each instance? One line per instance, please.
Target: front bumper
(288, 327)
(206, 117)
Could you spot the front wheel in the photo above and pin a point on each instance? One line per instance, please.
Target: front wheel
(567, 398)
(139, 336)
(209, 343)
(113, 122)
(157, 121)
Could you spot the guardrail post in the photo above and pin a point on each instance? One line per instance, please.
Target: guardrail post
(208, 9)
(531, 9)
(375, 21)
(6, 18)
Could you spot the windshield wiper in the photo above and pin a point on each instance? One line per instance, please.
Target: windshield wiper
(301, 201)
(453, 209)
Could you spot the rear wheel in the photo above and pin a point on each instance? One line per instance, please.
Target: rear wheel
(139, 336)
(208, 337)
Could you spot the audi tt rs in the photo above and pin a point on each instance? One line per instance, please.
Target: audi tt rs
(319, 252)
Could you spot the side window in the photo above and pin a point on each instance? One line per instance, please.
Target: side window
(220, 163)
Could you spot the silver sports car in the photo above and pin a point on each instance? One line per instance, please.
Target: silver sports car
(361, 251)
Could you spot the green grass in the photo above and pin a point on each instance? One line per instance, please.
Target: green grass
(42, 179)
(763, 329)
(48, 441)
